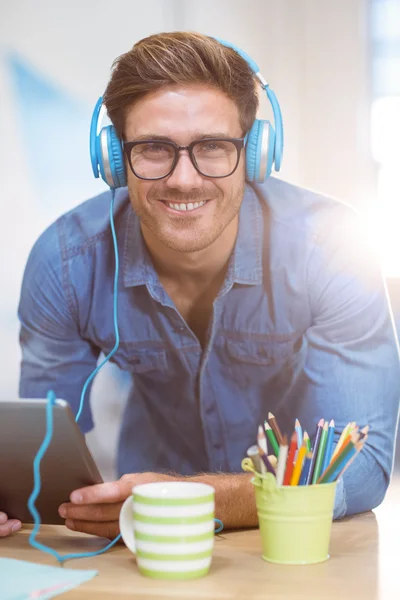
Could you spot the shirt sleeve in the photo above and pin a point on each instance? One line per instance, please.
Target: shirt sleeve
(54, 354)
(352, 369)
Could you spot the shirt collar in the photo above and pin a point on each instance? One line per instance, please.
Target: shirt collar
(137, 265)
(245, 265)
(246, 260)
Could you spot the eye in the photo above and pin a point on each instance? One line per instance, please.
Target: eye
(215, 149)
(211, 146)
(154, 148)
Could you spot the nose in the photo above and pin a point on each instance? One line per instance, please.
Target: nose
(184, 176)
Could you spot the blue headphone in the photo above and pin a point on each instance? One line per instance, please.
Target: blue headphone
(264, 144)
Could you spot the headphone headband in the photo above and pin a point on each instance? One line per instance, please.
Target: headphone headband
(278, 121)
(264, 143)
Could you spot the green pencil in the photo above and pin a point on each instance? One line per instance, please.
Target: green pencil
(271, 438)
(321, 453)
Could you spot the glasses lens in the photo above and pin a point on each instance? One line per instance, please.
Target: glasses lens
(216, 158)
(151, 160)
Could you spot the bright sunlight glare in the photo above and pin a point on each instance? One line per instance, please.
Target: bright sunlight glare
(384, 218)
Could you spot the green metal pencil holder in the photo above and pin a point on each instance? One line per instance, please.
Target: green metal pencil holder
(295, 521)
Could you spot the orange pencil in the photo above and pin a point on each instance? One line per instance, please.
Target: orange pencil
(290, 459)
(294, 480)
(359, 447)
(347, 440)
(346, 431)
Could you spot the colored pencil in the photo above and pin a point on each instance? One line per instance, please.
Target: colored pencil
(262, 440)
(297, 428)
(306, 440)
(363, 432)
(329, 446)
(347, 440)
(254, 455)
(295, 465)
(262, 443)
(315, 451)
(271, 438)
(275, 428)
(305, 469)
(321, 453)
(338, 462)
(294, 480)
(266, 462)
(342, 438)
(282, 458)
(359, 447)
(290, 459)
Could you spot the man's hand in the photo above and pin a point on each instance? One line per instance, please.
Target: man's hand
(8, 526)
(95, 509)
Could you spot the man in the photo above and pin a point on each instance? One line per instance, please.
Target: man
(235, 299)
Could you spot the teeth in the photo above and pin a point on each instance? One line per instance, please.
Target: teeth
(186, 207)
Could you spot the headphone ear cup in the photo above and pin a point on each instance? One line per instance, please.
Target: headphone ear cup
(111, 157)
(251, 150)
(260, 150)
(117, 164)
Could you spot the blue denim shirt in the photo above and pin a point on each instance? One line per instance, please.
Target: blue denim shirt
(301, 327)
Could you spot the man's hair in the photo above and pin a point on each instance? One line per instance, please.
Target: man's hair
(179, 58)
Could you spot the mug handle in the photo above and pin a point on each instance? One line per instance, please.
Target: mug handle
(125, 524)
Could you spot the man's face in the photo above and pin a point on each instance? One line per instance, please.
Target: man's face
(182, 115)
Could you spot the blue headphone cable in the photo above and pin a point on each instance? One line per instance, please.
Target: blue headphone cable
(51, 397)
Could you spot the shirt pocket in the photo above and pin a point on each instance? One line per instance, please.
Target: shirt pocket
(266, 352)
(251, 363)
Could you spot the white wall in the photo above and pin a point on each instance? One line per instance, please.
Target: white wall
(312, 52)
(272, 34)
(71, 45)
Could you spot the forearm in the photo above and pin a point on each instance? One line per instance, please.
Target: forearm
(364, 485)
(234, 498)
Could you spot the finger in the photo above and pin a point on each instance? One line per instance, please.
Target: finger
(3, 518)
(90, 512)
(113, 491)
(11, 526)
(108, 529)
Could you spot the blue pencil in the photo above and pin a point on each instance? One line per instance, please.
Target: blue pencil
(341, 465)
(305, 469)
(299, 432)
(329, 446)
(315, 450)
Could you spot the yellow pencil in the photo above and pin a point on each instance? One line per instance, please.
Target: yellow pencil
(346, 431)
(294, 480)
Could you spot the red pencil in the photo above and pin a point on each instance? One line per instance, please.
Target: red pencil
(290, 459)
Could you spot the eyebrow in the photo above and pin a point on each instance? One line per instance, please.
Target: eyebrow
(165, 138)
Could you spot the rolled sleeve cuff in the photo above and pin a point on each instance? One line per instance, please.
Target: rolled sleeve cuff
(340, 507)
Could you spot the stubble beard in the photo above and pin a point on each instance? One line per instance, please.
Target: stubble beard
(199, 239)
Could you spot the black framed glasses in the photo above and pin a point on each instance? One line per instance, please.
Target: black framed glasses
(211, 157)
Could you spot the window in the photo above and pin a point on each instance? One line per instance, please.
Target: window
(385, 128)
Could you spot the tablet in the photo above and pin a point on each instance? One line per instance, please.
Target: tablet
(66, 466)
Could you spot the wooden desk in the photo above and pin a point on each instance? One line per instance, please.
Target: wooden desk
(364, 563)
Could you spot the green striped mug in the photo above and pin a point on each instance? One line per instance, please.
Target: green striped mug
(169, 526)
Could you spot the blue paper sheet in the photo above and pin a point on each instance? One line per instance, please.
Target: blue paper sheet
(20, 580)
